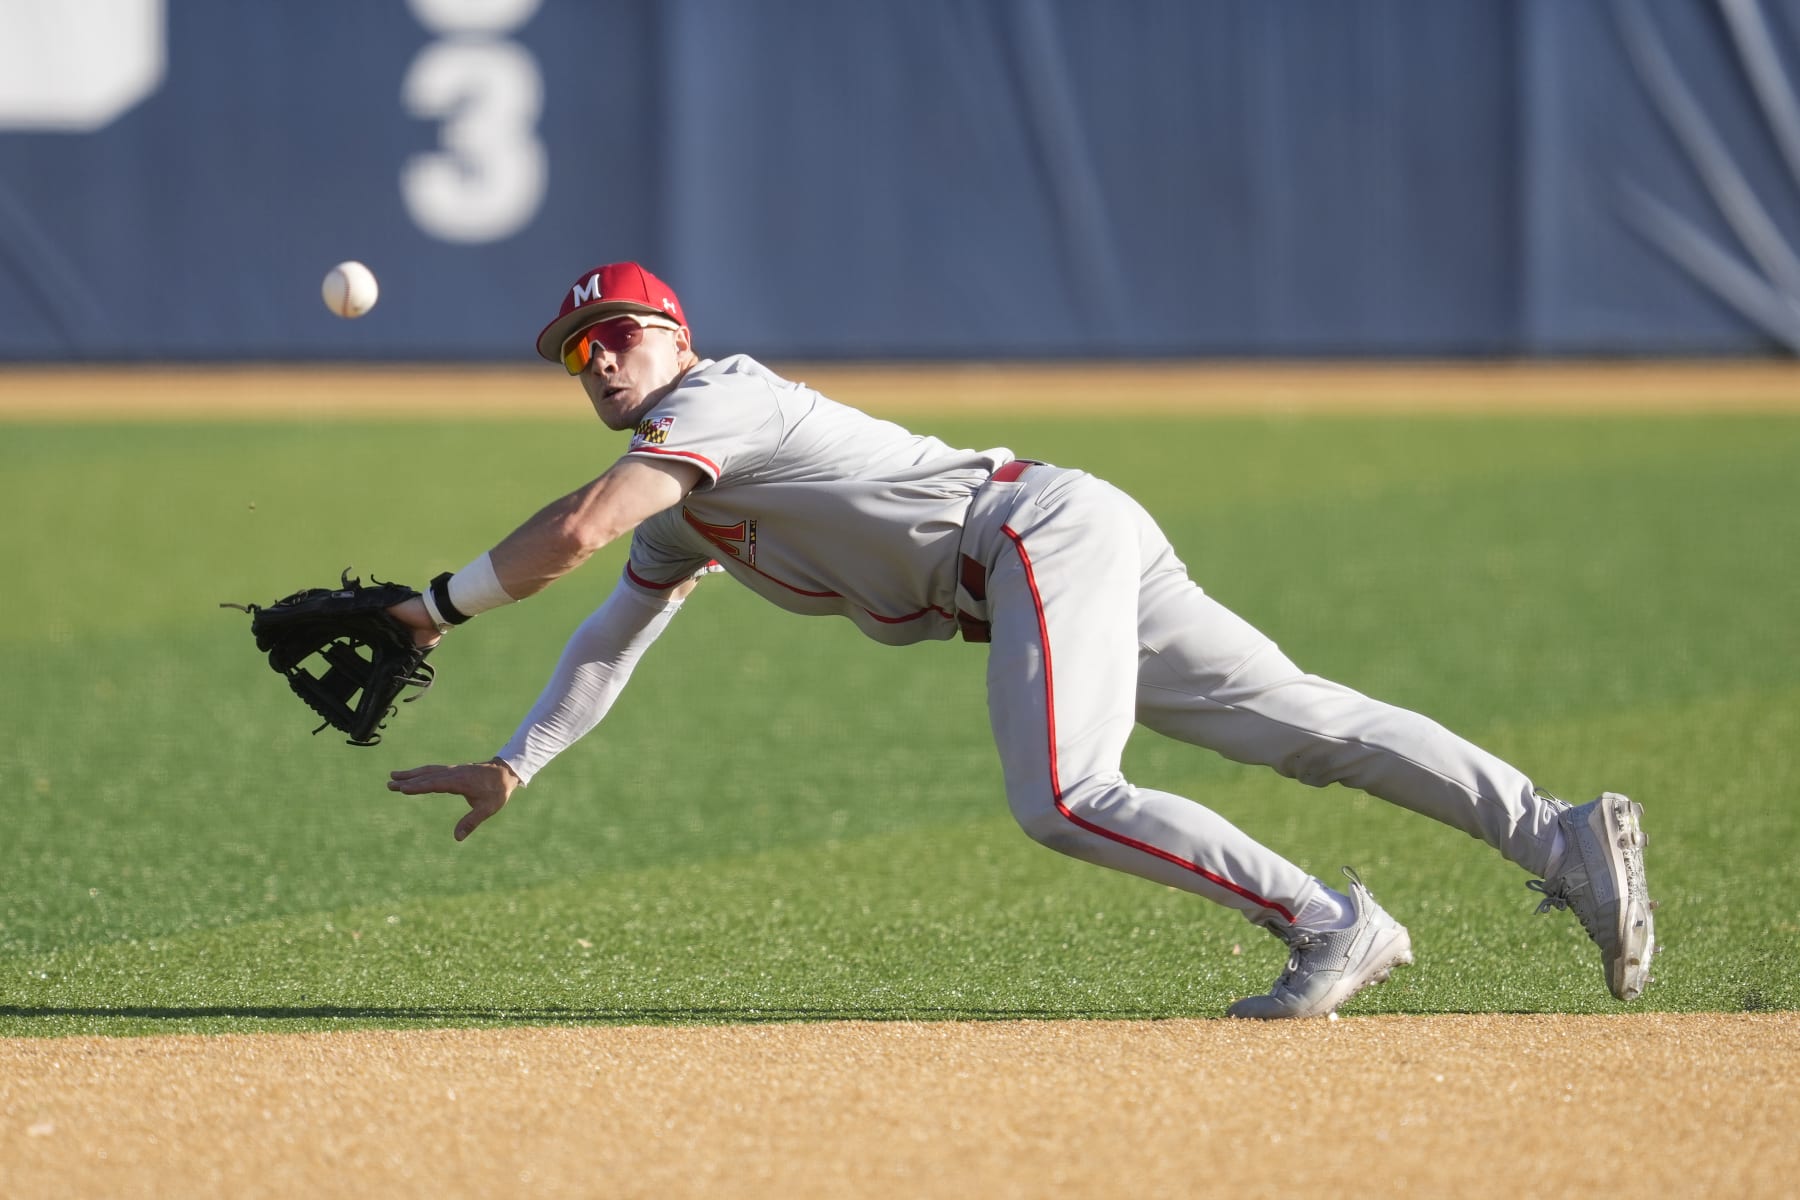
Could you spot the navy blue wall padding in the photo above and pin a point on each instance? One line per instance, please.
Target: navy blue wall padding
(941, 178)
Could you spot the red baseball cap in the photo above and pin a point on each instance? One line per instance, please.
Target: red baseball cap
(607, 291)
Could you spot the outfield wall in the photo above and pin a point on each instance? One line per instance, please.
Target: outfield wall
(943, 178)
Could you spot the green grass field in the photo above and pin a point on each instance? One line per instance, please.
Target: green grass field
(782, 820)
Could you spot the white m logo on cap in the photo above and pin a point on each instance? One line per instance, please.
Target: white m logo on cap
(588, 291)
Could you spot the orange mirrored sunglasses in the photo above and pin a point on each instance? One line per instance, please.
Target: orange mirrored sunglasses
(616, 334)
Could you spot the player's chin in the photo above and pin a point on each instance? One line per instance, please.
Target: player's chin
(616, 411)
(622, 411)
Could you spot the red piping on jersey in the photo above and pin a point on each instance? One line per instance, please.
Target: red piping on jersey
(1056, 791)
(912, 616)
(655, 587)
(711, 466)
(705, 531)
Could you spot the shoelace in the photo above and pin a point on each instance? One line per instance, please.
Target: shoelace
(1296, 951)
(1558, 897)
(1554, 897)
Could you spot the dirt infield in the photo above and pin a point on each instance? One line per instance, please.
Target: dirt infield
(1641, 1105)
(285, 392)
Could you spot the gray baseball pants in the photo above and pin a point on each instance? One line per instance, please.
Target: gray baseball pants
(1096, 627)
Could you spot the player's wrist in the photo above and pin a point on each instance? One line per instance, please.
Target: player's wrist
(429, 599)
(453, 598)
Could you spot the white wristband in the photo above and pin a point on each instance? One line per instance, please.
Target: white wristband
(476, 588)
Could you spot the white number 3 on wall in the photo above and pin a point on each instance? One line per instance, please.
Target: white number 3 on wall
(487, 179)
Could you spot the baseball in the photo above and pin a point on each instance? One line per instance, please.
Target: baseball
(350, 289)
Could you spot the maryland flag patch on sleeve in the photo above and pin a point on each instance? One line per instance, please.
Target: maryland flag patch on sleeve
(652, 431)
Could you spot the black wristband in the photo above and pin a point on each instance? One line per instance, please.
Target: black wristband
(440, 592)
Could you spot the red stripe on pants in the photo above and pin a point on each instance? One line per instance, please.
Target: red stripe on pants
(1056, 790)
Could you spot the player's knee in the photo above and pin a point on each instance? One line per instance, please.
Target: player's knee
(1061, 820)
(1044, 825)
(1327, 762)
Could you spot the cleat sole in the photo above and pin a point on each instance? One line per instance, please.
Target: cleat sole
(1629, 973)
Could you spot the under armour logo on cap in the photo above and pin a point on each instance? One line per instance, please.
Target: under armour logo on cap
(616, 287)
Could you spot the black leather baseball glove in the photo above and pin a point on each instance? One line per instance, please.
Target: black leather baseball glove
(343, 653)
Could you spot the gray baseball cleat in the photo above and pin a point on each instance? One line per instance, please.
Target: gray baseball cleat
(1326, 969)
(1602, 879)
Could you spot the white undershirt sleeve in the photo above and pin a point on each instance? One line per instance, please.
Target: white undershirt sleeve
(593, 670)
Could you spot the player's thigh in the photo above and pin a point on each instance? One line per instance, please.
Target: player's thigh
(1208, 677)
(1062, 667)
(1192, 645)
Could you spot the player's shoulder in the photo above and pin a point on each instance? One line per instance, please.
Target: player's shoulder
(727, 416)
(736, 373)
(738, 391)
(734, 389)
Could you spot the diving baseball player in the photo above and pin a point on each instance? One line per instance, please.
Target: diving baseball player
(1091, 622)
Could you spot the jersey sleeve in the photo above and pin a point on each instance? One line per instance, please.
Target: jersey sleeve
(593, 670)
(664, 553)
(727, 424)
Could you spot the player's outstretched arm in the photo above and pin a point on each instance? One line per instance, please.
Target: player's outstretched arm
(487, 786)
(565, 533)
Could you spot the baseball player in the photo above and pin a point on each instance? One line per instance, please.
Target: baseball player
(1091, 622)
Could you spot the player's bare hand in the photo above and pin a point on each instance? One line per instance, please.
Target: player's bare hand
(487, 786)
(414, 615)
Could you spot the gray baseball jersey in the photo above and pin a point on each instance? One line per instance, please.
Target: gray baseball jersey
(815, 506)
